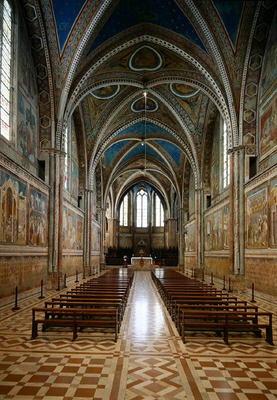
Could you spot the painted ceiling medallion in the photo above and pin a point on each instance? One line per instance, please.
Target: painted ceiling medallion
(106, 92)
(139, 105)
(145, 58)
(183, 91)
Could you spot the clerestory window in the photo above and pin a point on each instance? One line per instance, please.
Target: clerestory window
(5, 68)
(123, 212)
(142, 211)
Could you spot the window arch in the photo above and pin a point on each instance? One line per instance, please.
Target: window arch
(159, 211)
(66, 159)
(142, 209)
(123, 211)
(5, 68)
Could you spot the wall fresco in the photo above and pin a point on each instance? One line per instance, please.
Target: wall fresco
(190, 238)
(38, 218)
(268, 128)
(215, 160)
(72, 230)
(257, 218)
(191, 194)
(95, 237)
(216, 229)
(13, 209)
(27, 128)
(269, 73)
(273, 212)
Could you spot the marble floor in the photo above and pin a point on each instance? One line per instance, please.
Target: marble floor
(149, 361)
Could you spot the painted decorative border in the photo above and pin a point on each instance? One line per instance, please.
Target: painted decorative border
(160, 63)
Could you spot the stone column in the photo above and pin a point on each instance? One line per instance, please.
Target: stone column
(55, 220)
(102, 237)
(199, 231)
(87, 234)
(112, 228)
(181, 240)
(237, 220)
(172, 229)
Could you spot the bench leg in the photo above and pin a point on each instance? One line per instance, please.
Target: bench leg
(225, 336)
(75, 332)
(34, 330)
(269, 335)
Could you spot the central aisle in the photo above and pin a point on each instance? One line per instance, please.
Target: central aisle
(152, 365)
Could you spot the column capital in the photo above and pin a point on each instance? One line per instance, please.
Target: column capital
(53, 150)
(236, 148)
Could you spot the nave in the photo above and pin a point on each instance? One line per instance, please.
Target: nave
(149, 360)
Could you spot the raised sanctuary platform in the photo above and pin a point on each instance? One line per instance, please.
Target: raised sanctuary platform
(142, 263)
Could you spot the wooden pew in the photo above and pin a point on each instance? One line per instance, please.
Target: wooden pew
(75, 318)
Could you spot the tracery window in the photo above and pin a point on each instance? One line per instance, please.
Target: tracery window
(5, 68)
(142, 212)
(226, 158)
(159, 212)
(123, 212)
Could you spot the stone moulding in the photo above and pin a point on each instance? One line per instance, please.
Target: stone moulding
(20, 172)
(22, 251)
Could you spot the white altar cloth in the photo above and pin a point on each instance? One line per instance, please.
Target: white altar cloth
(142, 262)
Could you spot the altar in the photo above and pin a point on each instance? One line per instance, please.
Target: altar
(142, 263)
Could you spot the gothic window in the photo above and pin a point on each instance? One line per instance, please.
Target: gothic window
(123, 212)
(5, 67)
(66, 159)
(159, 212)
(142, 209)
(226, 158)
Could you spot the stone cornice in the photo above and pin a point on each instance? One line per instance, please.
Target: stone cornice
(22, 173)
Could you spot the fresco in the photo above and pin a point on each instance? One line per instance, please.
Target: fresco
(140, 151)
(230, 12)
(38, 218)
(273, 212)
(215, 161)
(112, 152)
(268, 130)
(27, 128)
(72, 230)
(26, 70)
(214, 231)
(191, 194)
(66, 12)
(95, 237)
(190, 237)
(140, 106)
(74, 179)
(257, 218)
(174, 152)
(145, 58)
(269, 72)
(13, 209)
(132, 12)
(106, 92)
(226, 222)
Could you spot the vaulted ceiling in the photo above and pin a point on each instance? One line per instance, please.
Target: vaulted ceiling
(186, 55)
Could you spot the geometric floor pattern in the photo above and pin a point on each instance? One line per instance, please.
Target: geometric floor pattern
(149, 360)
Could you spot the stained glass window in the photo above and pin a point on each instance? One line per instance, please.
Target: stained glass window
(66, 159)
(142, 212)
(159, 212)
(5, 68)
(123, 213)
(226, 157)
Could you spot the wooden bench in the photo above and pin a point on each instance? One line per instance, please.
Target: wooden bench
(75, 318)
(226, 321)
